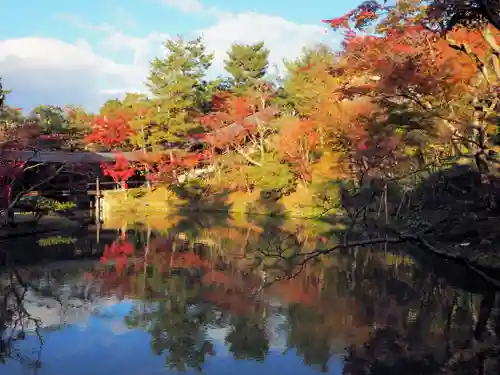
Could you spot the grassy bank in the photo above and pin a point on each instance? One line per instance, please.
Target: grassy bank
(161, 200)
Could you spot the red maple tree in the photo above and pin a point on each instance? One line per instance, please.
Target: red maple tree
(167, 167)
(120, 171)
(110, 131)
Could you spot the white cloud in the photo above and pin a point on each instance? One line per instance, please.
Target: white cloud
(50, 71)
(285, 39)
(142, 48)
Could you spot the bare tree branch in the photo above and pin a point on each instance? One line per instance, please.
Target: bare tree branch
(32, 188)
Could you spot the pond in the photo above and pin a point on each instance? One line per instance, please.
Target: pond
(231, 295)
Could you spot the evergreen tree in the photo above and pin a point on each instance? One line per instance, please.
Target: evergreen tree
(8, 114)
(178, 89)
(79, 124)
(247, 64)
(52, 118)
(111, 107)
(139, 109)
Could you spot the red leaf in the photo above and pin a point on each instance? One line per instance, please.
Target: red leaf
(339, 22)
(110, 131)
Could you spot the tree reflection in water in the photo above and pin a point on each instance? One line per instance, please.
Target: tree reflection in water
(15, 319)
(382, 312)
(385, 313)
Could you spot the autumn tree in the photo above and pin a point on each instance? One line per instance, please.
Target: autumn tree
(428, 84)
(16, 130)
(241, 129)
(178, 88)
(110, 132)
(310, 90)
(120, 171)
(317, 119)
(241, 124)
(139, 110)
(247, 64)
(468, 13)
(296, 143)
(18, 133)
(169, 167)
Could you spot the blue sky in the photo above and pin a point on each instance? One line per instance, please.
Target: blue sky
(83, 52)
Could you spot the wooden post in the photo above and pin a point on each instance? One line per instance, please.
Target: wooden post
(98, 223)
(97, 201)
(385, 204)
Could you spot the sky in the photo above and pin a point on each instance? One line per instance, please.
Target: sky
(85, 52)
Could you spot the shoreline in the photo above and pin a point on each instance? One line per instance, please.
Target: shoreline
(478, 256)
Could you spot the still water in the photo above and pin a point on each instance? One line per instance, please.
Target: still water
(235, 296)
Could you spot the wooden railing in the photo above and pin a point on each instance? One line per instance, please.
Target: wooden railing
(90, 190)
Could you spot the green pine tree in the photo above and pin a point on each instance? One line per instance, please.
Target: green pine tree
(8, 115)
(52, 118)
(141, 109)
(247, 64)
(111, 107)
(178, 89)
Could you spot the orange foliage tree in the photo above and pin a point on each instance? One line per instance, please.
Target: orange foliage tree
(427, 87)
(297, 140)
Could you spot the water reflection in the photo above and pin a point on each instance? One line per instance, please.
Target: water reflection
(222, 296)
